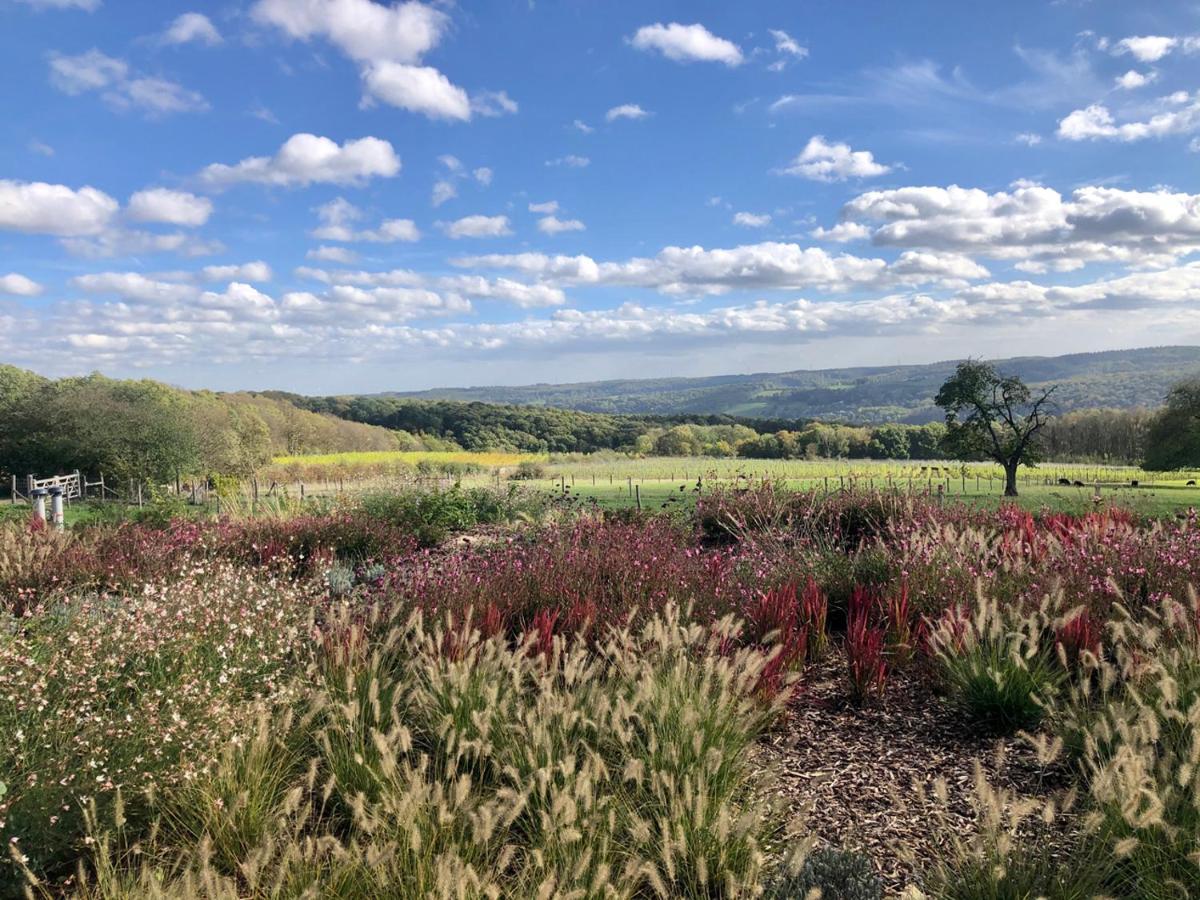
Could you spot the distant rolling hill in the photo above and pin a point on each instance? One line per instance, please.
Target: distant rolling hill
(1115, 378)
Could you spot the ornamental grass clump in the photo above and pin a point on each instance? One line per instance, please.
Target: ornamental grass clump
(619, 770)
(994, 664)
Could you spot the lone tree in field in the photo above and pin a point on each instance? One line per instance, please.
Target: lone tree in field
(992, 416)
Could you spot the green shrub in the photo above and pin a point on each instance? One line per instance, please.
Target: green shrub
(838, 874)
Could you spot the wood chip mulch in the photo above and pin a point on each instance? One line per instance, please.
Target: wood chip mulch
(840, 768)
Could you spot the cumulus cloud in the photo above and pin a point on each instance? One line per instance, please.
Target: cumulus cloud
(691, 271)
(169, 207)
(1179, 113)
(343, 255)
(119, 86)
(582, 127)
(19, 286)
(483, 175)
(252, 271)
(477, 227)
(338, 218)
(135, 287)
(1033, 222)
(388, 42)
(306, 159)
(1028, 138)
(687, 43)
(134, 242)
(420, 89)
(1147, 48)
(570, 161)
(192, 28)
(822, 161)
(1133, 79)
(548, 208)
(554, 225)
(362, 29)
(40, 208)
(625, 111)
(751, 220)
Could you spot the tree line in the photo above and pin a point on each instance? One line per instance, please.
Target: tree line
(152, 432)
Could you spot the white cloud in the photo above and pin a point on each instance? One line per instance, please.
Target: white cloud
(786, 48)
(582, 126)
(483, 175)
(1034, 222)
(554, 225)
(526, 296)
(119, 86)
(687, 43)
(1028, 138)
(170, 207)
(571, 161)
(251, 271)
(388, 43)
(19, 285)
(40, 208)
(306, 159)
(41, 148)
(1133, 79)
(1148, 49)
(192, 27)
(477, 227)
(87, 5)
(1179, 113)
(550, 207)
(135, 287)
(625, 111)
(443, 190)
(420, 89)
(785, 44)
(822, 161)
(751, 220)
(843, 232)
(493, 104)
(691, 271)
(338, 215)
(342, 255)
(90, 71)
(132, 242)
(362, 29)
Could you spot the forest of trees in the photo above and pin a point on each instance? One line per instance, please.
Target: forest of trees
(149, 431)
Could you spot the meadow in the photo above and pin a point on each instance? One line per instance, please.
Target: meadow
(501, 692)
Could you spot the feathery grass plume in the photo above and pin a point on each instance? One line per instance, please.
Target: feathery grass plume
(1141, 754)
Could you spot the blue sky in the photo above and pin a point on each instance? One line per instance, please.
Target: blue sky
(346, 195)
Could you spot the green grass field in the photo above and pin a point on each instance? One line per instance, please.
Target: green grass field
(655, 482)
